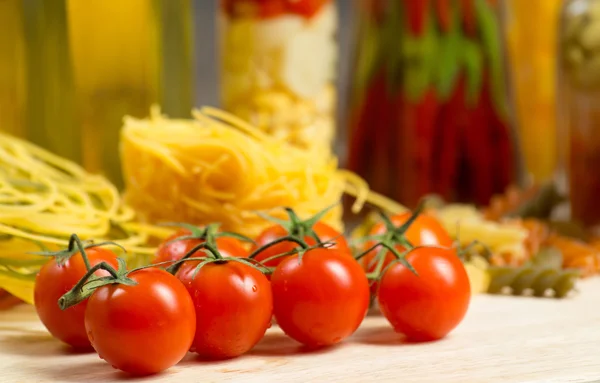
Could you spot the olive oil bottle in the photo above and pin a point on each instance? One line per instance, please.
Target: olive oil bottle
(12, 68)
(77, 67)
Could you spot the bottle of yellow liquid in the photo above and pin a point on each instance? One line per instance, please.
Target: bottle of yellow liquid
(12, 67)
(36, 87)
(80, 66)
(531, 33)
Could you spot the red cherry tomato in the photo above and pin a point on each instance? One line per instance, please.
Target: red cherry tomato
(170, 250)
(424, 231)
(53, 281)
(324, 232)
(145, 328)
(320, 299)
(234, 305)
(428, 306)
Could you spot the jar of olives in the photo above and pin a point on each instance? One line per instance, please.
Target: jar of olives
(579, 107)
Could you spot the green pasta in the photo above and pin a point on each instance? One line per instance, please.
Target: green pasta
(542, 276)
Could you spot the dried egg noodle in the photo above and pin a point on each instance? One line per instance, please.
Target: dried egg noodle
(218, 168)
(44, 199)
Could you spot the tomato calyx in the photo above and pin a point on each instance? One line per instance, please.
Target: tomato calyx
(296, 227)
(203, 233)
(389, 241)
(89, 282)
(76, 245)
(209, 247)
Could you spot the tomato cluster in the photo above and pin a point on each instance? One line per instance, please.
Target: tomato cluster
(217, 297)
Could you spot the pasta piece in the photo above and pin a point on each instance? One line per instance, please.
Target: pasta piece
(540, 282)
(540, 277)
(535, 201)
(577, 254)
(468, 225)
(479, 278)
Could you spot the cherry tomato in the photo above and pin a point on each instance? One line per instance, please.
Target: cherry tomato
(324, 232)
(145, 328)
(53, 281)
(170, 250)
(429, 305)
(424, 231)
(320, 299)
(234, 305)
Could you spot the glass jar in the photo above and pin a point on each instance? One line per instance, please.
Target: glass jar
(71, 69)
(531, 50)
(277, 67)
(579, 107)
(429, 109)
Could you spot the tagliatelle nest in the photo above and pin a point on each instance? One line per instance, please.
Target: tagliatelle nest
(216, 168)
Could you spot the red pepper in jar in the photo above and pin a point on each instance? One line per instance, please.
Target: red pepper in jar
(441, 61)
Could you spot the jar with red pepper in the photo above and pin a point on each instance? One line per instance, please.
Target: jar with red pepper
(429, 108)
(277, 67)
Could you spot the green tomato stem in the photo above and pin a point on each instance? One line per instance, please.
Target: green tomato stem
(82, 290)
(289, 238)
(75, 240)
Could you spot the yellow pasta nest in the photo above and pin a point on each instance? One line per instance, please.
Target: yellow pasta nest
(217, 168)
(43, 200)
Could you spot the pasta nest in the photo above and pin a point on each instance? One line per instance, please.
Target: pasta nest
(218, 168)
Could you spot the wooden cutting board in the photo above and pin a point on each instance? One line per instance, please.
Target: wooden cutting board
(503, 339)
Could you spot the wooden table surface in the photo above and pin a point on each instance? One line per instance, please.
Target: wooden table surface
(503, 339)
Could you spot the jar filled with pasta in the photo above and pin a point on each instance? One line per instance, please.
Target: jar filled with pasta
(277, 67)
(579, 106)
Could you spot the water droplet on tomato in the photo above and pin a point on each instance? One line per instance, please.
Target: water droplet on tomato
(254, 288)
(90, 336)
(196, 294)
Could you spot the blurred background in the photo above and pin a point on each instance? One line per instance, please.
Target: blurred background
(459, 98)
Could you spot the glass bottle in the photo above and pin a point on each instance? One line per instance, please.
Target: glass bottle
(12, 68)
(70, 70)
(579, 107)
(429, 109)
(531, 49)
(127, 55)
(277, 67)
